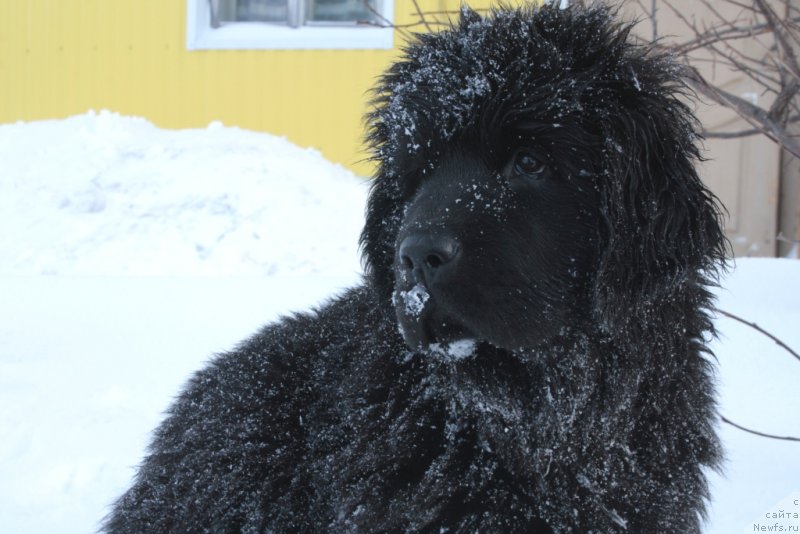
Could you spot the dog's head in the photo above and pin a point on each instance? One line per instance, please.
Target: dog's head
(536, 171)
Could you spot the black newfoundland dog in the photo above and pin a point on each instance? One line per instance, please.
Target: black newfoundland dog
(527, 352)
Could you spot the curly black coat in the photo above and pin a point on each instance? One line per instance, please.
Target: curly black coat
(527, 352)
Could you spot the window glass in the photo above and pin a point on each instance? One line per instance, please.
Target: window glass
(341, 10)
(289, 24)
(251, 10)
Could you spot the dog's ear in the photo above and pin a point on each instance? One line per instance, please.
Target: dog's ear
(383, 218)
(661, 227)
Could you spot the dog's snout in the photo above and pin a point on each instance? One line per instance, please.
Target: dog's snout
(427, 256)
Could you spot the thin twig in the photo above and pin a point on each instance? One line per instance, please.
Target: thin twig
(732, 135)
(777, 27)
(422, 16)
(653, 10)
(756, 432)
(782, 345)
(386, 23)
(761, 330)
(753, 114)
(713, 34)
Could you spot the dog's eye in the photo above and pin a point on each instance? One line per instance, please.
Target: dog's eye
(528, 165)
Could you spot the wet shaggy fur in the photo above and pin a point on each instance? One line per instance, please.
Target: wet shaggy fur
(527, 352)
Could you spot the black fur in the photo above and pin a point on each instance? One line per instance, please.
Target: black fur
(536, 193)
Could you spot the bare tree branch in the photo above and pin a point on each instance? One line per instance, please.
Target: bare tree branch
(774, 67)
(421, 15)
(778, 29)
(781, 344)
(761, 330)
(756, 432)
(756, 116)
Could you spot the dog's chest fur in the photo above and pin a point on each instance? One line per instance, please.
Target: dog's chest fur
(421, 439)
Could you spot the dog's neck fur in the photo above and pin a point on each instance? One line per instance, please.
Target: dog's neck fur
(538, 420)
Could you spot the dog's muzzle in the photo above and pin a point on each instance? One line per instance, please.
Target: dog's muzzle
(425, 269)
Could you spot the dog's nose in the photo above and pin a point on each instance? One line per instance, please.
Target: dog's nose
(428, 256)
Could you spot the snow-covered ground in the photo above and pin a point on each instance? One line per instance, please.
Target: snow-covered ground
(235, 228)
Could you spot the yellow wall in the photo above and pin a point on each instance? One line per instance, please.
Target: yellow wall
(64, 57)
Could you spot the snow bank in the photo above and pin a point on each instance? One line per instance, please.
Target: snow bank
(102, 194)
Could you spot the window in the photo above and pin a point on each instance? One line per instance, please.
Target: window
(250, 24)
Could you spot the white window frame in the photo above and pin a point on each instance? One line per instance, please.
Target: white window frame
(261, 36)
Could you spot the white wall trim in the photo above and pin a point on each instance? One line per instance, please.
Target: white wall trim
(258, 36)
